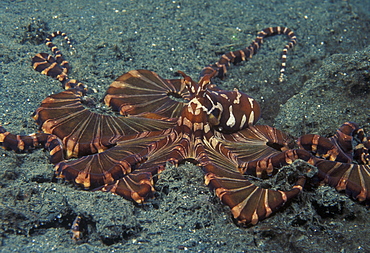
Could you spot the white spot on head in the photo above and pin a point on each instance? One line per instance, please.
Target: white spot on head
(251, 118)
(224, 96)
(251, 100)
(238, 96)
(231, 121)
(244, 119)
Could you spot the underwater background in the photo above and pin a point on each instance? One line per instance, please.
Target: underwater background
(327, 83)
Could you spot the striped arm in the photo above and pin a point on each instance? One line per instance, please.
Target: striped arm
(125, 169)
(55, 50)
(354, 179)
(219, 68)
(258, 149)
(143, 91)
(339, 147)
(361, 151)
(334, 159)
(56, 67)
(248, 203)
(84, 132)
(23, 143)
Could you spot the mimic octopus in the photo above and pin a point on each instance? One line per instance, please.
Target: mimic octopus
(169, 121)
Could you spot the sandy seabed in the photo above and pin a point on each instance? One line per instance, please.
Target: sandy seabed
(327, 84)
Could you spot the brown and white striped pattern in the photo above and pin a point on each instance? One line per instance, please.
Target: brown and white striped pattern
(24, 143)
(219, 68)
(84, 132)
(334, 158)
(145, 92)
(55, 50)
(172, 120)
(56, 67)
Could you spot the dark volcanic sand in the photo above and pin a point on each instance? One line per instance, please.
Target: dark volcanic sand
(328, 83)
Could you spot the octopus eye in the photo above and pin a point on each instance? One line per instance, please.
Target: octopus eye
(216, 113)
(214, 117)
